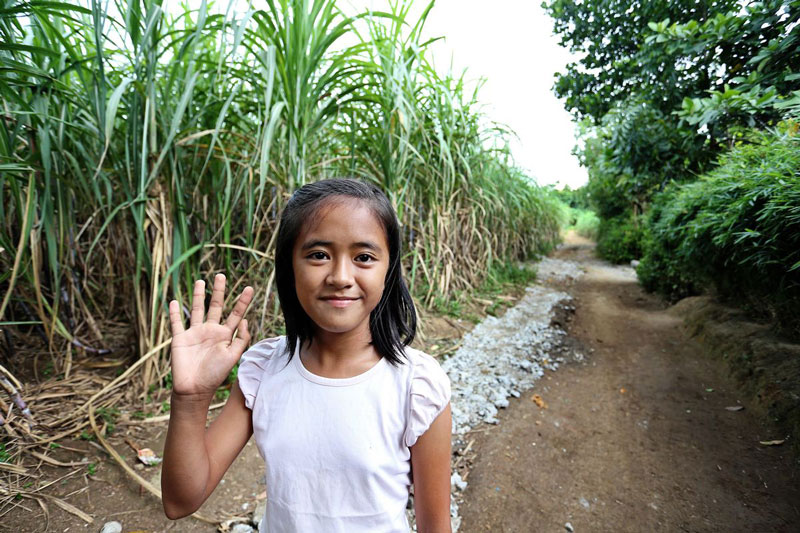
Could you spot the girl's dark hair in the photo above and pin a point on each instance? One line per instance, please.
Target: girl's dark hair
(393, 322)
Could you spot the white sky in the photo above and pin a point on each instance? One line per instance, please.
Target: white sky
(510, 43)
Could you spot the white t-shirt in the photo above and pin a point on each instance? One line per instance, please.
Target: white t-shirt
(337, 450)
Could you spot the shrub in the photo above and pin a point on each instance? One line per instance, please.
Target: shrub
(661, 269)
(736, 229)
(619, 238)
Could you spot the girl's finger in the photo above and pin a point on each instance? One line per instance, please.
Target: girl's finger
(242, 340)
(217, 299)
(239, 309)
(198, 303)
(175, 319)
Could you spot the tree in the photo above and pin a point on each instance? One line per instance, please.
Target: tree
(616, 60)
(664, 85)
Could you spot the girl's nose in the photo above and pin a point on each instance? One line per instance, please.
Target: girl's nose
(341, 274)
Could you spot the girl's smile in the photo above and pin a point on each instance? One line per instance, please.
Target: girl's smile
(339, 301)
(340, 261)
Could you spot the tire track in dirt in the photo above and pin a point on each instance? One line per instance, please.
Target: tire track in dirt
(635, 438)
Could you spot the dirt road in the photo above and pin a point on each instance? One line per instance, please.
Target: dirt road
(637, 437)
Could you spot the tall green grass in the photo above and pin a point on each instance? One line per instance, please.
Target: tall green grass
(143, 147)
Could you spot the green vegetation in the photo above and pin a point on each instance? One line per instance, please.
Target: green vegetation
(145, 146)
(502, 277)
(586, 224)
(619, 238)
(662, 88)
(579, 215)
(689, 114)
(109, 416)
(736, 229)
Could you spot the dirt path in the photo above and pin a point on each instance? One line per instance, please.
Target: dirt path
(635, 438)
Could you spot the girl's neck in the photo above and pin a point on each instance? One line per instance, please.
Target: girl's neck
(339, 355)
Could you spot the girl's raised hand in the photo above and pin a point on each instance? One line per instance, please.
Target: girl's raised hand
(204, 354)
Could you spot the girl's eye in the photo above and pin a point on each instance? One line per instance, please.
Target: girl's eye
(318, 256)
(364, 258)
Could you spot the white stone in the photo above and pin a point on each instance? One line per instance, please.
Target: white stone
(505, 356)
(111, 527)
(457, 482)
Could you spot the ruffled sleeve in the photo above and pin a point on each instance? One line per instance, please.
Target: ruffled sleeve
(253, 365)
(429, 395)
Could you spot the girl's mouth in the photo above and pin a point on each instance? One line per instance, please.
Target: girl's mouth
(339, 301)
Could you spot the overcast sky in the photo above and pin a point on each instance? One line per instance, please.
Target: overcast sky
(510, 43)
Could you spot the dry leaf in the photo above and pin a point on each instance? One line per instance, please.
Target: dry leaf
(68, 507)
(538, 401)
(622, 390)
(772, 442)
(735, 408)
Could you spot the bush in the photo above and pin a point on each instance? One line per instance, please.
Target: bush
(661, 269)
(736, 229)
(619, 239)
(586, 224)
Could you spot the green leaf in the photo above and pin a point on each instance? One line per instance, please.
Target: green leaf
(111, 107)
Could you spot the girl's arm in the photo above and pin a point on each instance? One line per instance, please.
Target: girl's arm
(430, 466)
(195, 458)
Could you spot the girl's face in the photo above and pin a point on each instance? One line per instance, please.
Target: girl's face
(340, 261)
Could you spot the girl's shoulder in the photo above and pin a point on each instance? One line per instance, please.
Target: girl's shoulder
(429, 393)
(264, 358)
(420, 364)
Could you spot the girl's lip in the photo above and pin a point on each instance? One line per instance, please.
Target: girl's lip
(339, 301)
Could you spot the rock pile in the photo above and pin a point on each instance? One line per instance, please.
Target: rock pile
(504, 356)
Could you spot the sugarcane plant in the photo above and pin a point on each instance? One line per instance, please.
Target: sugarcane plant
(144, 145)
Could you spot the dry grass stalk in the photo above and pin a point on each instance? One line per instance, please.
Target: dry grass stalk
(130, 471)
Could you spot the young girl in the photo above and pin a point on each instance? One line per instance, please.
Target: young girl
(345, 414)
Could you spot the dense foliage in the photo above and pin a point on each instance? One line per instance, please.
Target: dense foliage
(663, 87)
(736, 229)
(690, 114)
(664, 51)
(144, 145)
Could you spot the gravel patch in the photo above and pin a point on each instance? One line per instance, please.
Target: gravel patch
(503, 357)
(551, 269)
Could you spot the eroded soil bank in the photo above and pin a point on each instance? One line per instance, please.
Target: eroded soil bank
(637, 437)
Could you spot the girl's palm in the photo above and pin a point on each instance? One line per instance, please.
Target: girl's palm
(204, 354)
